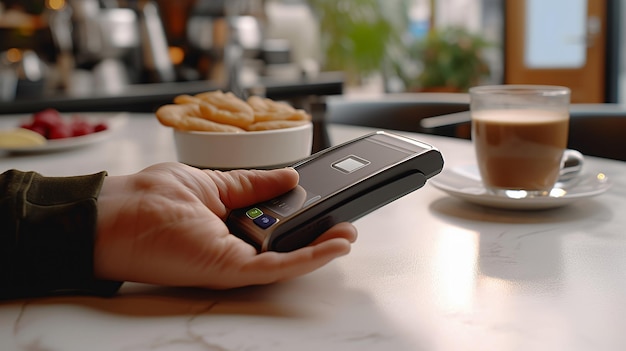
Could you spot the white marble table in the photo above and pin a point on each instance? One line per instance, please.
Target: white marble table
(428, 272)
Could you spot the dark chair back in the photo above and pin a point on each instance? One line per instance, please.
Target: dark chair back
(598, 130)
(397, 111)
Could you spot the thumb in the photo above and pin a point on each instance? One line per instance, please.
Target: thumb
(241, 188)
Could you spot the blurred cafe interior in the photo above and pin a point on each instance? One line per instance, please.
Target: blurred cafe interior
(135, 55)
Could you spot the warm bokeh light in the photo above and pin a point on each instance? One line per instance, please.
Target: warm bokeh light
(177, 54)
(14, 55)
(55, 4)
(558, 192)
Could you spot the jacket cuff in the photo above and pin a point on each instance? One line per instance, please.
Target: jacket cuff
(51, 251)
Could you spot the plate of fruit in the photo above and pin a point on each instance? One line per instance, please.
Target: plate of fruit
(50, 130)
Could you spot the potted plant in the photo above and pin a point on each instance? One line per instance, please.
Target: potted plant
(360, 36)
(451, 60)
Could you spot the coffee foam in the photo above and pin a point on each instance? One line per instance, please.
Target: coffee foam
(529, 116)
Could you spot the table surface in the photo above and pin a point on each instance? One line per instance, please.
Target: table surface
(428, 272)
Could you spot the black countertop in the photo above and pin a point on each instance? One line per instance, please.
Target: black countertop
(148, 97)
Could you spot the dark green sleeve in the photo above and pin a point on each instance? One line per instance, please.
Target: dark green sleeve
(47, 232)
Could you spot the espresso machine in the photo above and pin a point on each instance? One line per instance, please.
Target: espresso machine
(101, 47)
(127, 34)
(152, 41)
(224, 40)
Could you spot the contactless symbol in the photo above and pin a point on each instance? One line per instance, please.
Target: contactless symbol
(264, 221)
(253, 213)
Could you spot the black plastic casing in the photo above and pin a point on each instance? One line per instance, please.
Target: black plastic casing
(400, 166)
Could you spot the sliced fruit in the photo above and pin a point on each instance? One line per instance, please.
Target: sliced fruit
(20, 137)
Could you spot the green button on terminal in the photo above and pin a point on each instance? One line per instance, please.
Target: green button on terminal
(254, 213)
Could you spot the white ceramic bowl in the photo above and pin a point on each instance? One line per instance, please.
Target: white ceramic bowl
(262, 149)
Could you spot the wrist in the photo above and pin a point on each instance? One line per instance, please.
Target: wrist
(52, 251)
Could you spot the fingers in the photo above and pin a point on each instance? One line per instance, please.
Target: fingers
(342, 230)
(241, 188)
(270, 267)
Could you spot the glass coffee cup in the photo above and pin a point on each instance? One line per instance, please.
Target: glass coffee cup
(520, 137)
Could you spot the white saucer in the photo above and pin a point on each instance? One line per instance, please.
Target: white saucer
(465, 183)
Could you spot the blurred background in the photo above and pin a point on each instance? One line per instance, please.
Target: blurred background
(135, 55)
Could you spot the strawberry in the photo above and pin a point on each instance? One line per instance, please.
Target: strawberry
(60, 131)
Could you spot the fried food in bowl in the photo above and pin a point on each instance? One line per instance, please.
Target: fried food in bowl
(220, 131)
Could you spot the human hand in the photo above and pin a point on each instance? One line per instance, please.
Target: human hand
(165, 225)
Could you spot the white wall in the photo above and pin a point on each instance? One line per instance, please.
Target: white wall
(463, 13)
